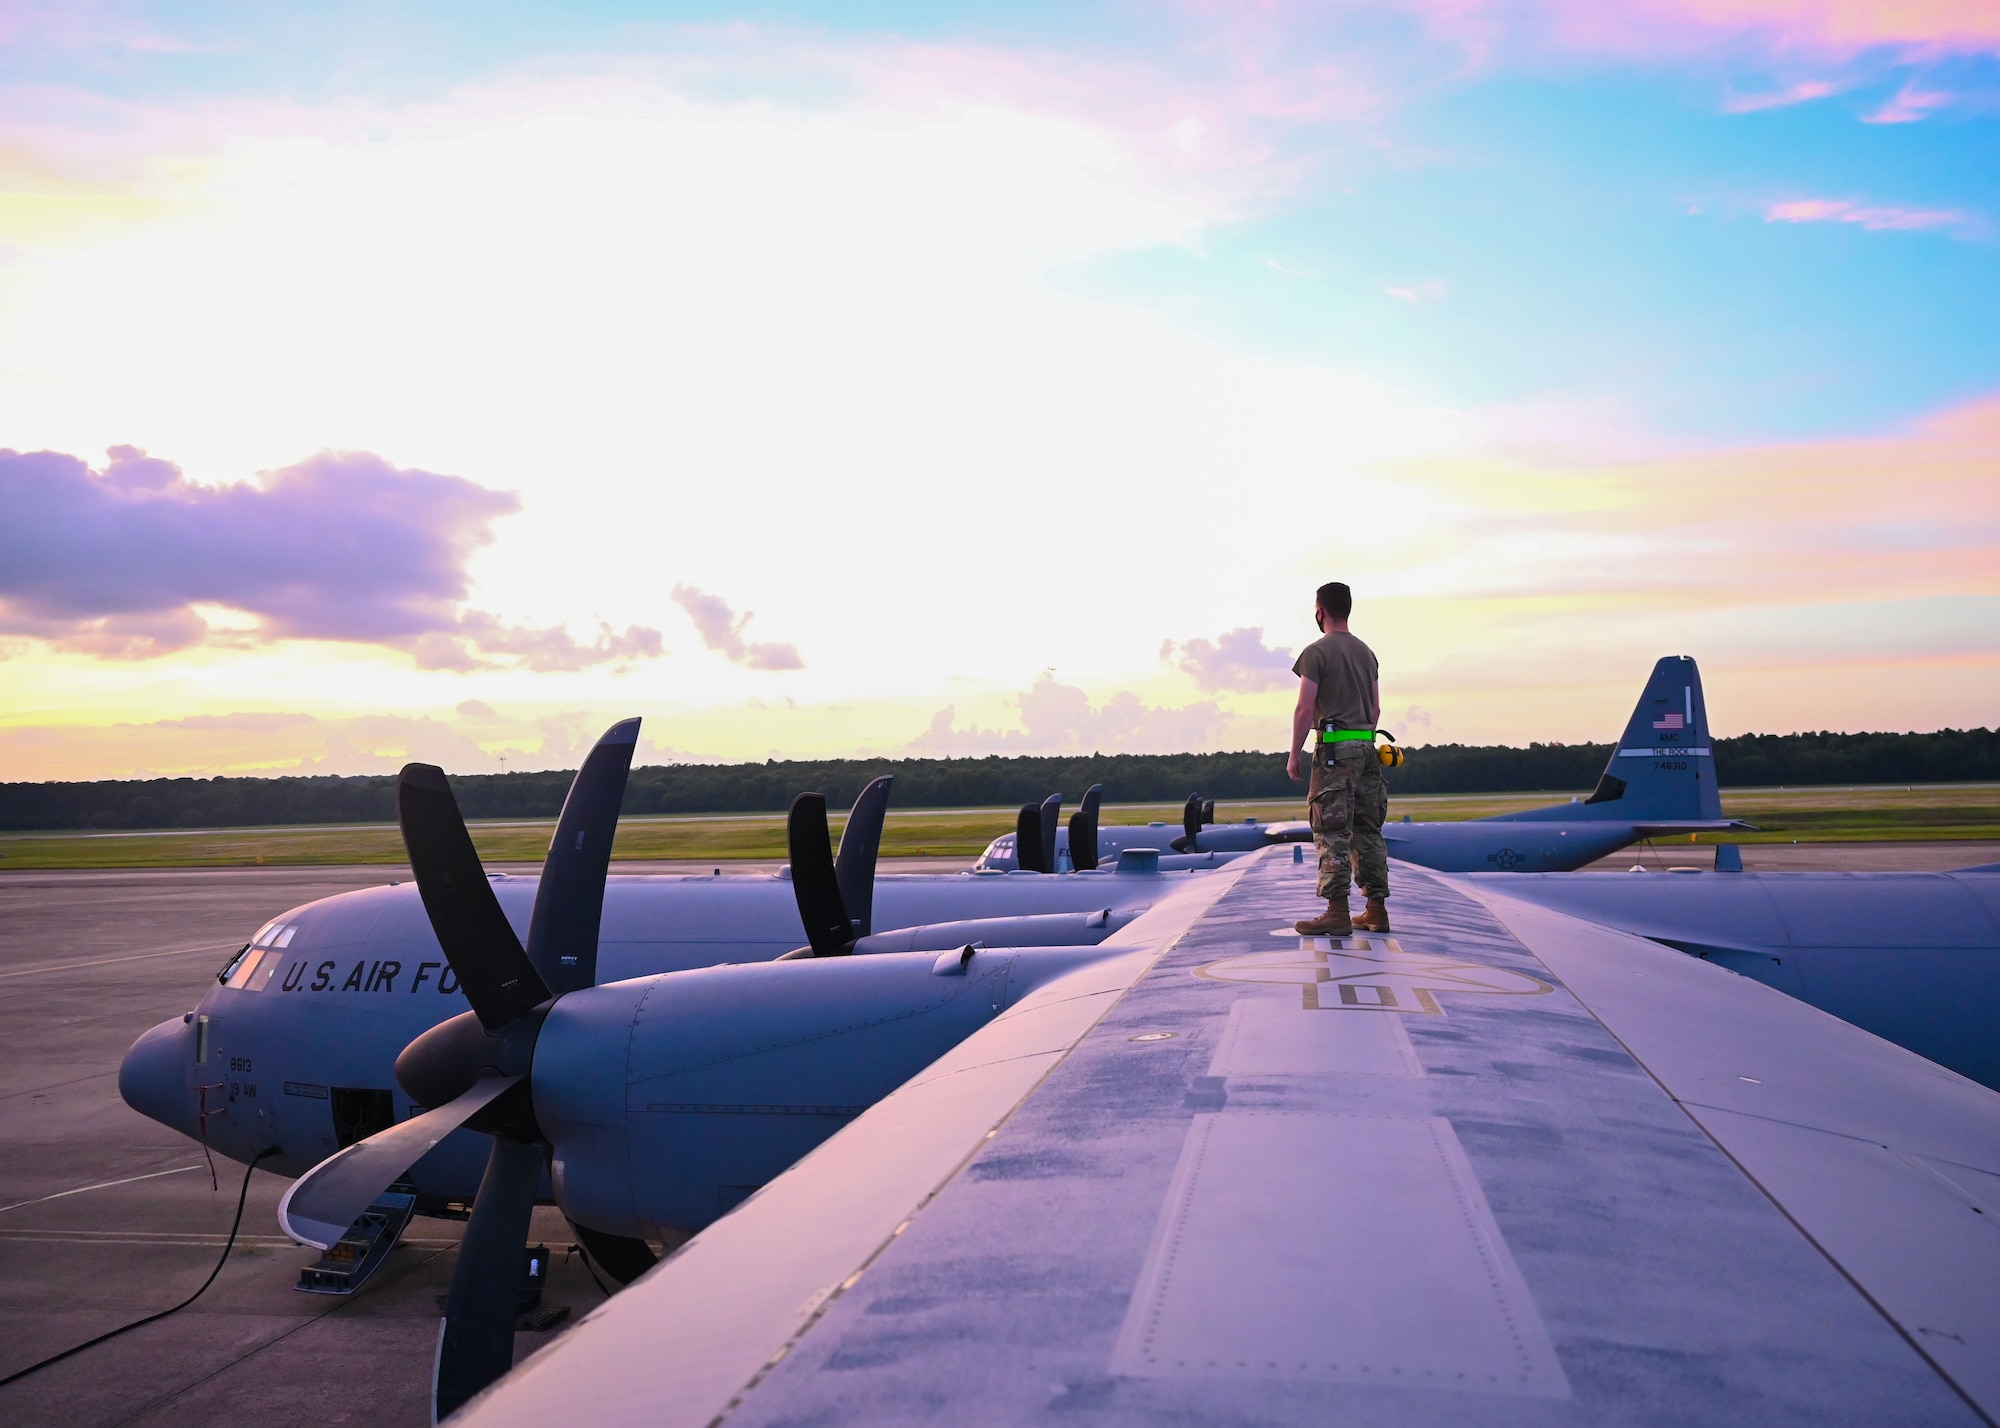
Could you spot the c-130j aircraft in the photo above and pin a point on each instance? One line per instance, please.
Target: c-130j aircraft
(1660, 781)
(342, 1023)
(621, 1077)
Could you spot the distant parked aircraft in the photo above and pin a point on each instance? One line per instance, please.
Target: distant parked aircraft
(1660, 782)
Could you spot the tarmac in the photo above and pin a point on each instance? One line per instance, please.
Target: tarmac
(106, 1217)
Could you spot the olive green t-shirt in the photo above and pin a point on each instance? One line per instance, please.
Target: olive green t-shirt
(1345, 671)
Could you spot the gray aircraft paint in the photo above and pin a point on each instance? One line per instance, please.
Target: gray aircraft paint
(335, 989)
(1588, 1180)
(670, 1097)
(1912, 957)
(1660, 780)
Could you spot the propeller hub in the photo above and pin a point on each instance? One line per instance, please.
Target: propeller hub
(441, 1065)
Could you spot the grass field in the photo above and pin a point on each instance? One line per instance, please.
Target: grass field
(1805, 815)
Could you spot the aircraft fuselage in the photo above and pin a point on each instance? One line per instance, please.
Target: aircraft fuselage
(297, 1050)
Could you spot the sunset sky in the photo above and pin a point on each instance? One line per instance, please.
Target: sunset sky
(446, 381)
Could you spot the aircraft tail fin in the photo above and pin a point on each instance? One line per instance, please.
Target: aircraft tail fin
(1664, 766)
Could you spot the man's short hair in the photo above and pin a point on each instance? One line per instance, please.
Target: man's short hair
(1336, 599)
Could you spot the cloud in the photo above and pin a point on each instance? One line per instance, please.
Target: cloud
(1422, 294)
(1874, 217)
(1237, 660)
(341, 546)
(1910, 105)
(1059, 718)
(721, 629)
(1801, 93)
(252, 722)
(283, 742)
(550, 648)
(1789, 534)
(1824, 27)
(264, 742)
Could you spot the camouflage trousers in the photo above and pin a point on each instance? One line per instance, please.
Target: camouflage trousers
(1349, 801)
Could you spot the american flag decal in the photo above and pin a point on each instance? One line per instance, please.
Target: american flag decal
(1670, 721)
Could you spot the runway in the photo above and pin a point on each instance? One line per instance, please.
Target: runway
(106, 1216)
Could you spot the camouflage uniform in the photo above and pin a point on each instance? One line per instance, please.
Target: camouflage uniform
(1348, 801)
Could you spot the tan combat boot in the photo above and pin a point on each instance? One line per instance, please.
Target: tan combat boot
(1334, 922)
(1374, 917)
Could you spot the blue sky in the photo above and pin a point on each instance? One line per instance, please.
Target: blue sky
(1591, 223)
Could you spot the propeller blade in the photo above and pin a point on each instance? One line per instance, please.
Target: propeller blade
(1028, 839)
(1191, 825)
(1051, 815)
(485, 955)
(1207, 812)
(619, 1256)
(569, 903)
(814, 882)
(1083, 830)
(323, 1204)
(476, 1341)
(860, 845)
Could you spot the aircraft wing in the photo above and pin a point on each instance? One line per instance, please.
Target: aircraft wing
(1502, 1166)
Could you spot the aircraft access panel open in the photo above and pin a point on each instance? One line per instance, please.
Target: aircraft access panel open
(1503, 1166)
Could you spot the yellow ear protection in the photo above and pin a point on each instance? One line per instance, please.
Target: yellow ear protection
(1389, 754)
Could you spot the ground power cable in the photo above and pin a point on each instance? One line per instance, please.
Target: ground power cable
(242, 1196)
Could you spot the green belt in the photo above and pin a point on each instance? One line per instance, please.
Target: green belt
(1341, 736)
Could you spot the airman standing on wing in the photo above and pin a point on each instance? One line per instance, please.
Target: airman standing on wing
(1340, 701)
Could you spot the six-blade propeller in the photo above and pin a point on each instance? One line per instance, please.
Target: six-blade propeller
(474, 1068)
(836, 893)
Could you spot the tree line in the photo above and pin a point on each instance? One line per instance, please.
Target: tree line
(1748, 761)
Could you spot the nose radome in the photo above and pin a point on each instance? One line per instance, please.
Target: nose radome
(152, 1078)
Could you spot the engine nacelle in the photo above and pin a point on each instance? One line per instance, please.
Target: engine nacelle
(670, 1099)
(1046, 929)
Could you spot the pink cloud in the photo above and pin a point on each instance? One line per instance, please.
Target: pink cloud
(341, 546)
(1844, 25)
(1827, 27)
(721, 629)
(1802, 93)
(1910, 105)
(1874, 217)
(1235, 659)
(1806, 520)
(1421, 294)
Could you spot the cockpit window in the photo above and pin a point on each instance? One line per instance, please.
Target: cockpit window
(238, 970)
(252, 972)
